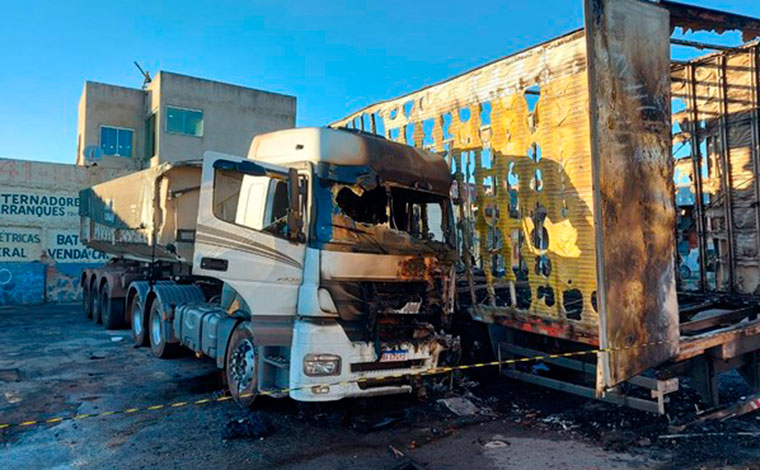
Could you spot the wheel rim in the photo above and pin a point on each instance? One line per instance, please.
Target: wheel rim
(137, 319)
(241, 365)
(155, 328)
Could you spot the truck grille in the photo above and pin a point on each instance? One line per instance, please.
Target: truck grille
(389, 312)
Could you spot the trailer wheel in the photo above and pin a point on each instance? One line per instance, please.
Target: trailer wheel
(158, 341)
(86, 301)
(96, 304)
(139, 322)
(241, 369)
(111, 310)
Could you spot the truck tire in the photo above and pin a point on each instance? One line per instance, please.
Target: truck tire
(95, 296)
(111, 310)
(157, 328)
(240, 367)
(86, 301)
(139, 322)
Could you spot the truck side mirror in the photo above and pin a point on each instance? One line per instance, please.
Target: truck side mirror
(295, 218)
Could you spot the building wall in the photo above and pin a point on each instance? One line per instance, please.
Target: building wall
(41, 258)
(232, 115)
(109, 105)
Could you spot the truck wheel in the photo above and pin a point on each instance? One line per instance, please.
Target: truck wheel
(86, 301)
(158, 341)
(241, 369)
(111, 310)
(96, 301)
(139, 322)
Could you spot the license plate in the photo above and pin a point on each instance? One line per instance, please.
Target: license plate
(393, 356)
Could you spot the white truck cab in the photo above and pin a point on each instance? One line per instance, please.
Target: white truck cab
(336, 253)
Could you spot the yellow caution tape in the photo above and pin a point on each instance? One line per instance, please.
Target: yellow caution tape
(435, 371)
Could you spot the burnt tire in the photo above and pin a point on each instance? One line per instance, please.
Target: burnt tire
(240, 366)
(111, 310)
(86, 301)
(96, 300)
(159, 344)
(140, 320)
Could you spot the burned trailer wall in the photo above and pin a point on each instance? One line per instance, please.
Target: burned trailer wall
(516, 135)
(566, 218)
(716, 151)
(629, 69)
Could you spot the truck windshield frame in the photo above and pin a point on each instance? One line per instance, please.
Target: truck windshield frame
(380, 217)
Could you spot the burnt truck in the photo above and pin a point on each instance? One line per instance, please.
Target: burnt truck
(606, 188)
(605, 219)
(321, 261)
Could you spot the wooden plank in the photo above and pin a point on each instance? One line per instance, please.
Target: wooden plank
(738, 347)
(726, 318)
(693, 346)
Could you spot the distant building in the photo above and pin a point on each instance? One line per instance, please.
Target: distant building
(120, 130)
(176, 117)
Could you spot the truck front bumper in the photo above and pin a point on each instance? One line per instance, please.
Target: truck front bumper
(359, 374)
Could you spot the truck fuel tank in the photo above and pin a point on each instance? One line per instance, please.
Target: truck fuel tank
(197, 327)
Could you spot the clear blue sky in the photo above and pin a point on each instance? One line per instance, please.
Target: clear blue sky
(335, 56)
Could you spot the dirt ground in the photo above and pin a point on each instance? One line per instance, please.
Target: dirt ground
(53, 363)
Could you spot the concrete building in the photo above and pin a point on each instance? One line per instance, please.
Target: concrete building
(176, 117)
(120, 130)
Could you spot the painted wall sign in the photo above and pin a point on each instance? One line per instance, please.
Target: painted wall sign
(25, 206)
(20, 244)
(41, 255)
(65, 247)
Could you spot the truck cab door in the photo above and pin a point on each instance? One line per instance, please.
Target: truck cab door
(249, 232)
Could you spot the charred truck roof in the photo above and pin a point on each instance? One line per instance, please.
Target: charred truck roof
(334, 149)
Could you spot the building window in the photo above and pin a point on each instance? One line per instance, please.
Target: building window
(184, 121)
(150, 136)
(116, 141)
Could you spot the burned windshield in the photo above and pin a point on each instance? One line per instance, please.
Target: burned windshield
(382, 218)
(368, 208)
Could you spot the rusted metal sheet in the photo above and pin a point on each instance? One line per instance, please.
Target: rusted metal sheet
(517, 136)
(629, 69)
(695, 18)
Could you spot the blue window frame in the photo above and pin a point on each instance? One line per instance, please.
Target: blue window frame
(116, 141)
(184, 121)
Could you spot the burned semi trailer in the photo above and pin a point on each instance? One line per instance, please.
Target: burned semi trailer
(716, 152)
(569, 219)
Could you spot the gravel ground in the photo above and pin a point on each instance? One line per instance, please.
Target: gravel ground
(53, 362)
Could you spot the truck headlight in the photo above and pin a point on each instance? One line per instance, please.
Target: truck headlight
(321, 364)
